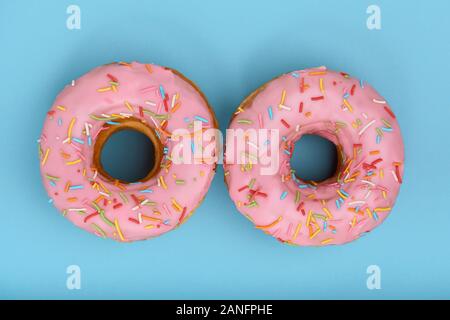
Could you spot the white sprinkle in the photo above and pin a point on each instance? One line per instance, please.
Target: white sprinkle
(282, 106)
(104, 194)
(77, 209)
(140, 217)
(367, 194)
(73, 83)
(394, 175)
(366, 126)
(150, 103)
(252, 144)
(364, 115)
(379, 101)
(368, 182)
(356, 202)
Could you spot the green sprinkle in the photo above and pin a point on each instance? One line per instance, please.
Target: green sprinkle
(251, 183)
(99, 230)
(297, 196)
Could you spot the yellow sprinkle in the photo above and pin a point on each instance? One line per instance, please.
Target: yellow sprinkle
(176, 205)
(271, 224)
(374, 152)
(283, 97)
(327, 241)
(322, 89)
(297, 230)
(73, 162)
(149, 68)
(69, 131)
(315, 233)
(381, 173)
(151, 218)
(114, 88)
(347, 104)
(369, 213)
(62, 108)
(353, 222)
(129, 106)
(329, 215)
(341, 194)
(149, 226)
(384, 194)
(308, 219)
(66, 188)
(116, 223)
(103, 187)
(383, 209)
(45, 156)
(317, 73)
(104, 89)
(162, 182)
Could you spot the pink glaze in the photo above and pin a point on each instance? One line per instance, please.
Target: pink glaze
(124, 212)
(358, 120)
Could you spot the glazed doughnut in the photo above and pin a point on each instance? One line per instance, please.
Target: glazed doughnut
(147, 98)
(353, 116)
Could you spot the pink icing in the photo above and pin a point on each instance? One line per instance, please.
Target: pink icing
(124, 212)
(355, 117)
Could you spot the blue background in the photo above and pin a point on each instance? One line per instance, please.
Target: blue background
(228, 48)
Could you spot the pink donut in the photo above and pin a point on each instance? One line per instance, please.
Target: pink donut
(144, 97)
(347, 112)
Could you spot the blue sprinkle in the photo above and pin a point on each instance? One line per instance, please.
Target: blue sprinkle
(270, 112)
(161, 91)
(356, 209)
(166, 222)
(344, 192)
(325, 225)
(284, 138)
(89, 140)
(361, 83)
(50, 200)
(201, 119)
(303, 186)
(375, 216)
(287, 152)
(341, 200)
(52, 183)
(112, 123)
(294, 74)
(378, 139)
(146, 191)
(283, 195)
(192, 147)
(76, 187)
(338, 205)
(386, 129)
(78, 140)
(59, 121)
(346, 95)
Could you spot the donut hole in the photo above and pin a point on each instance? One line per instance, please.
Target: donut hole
(128, 155)
(315, 158)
